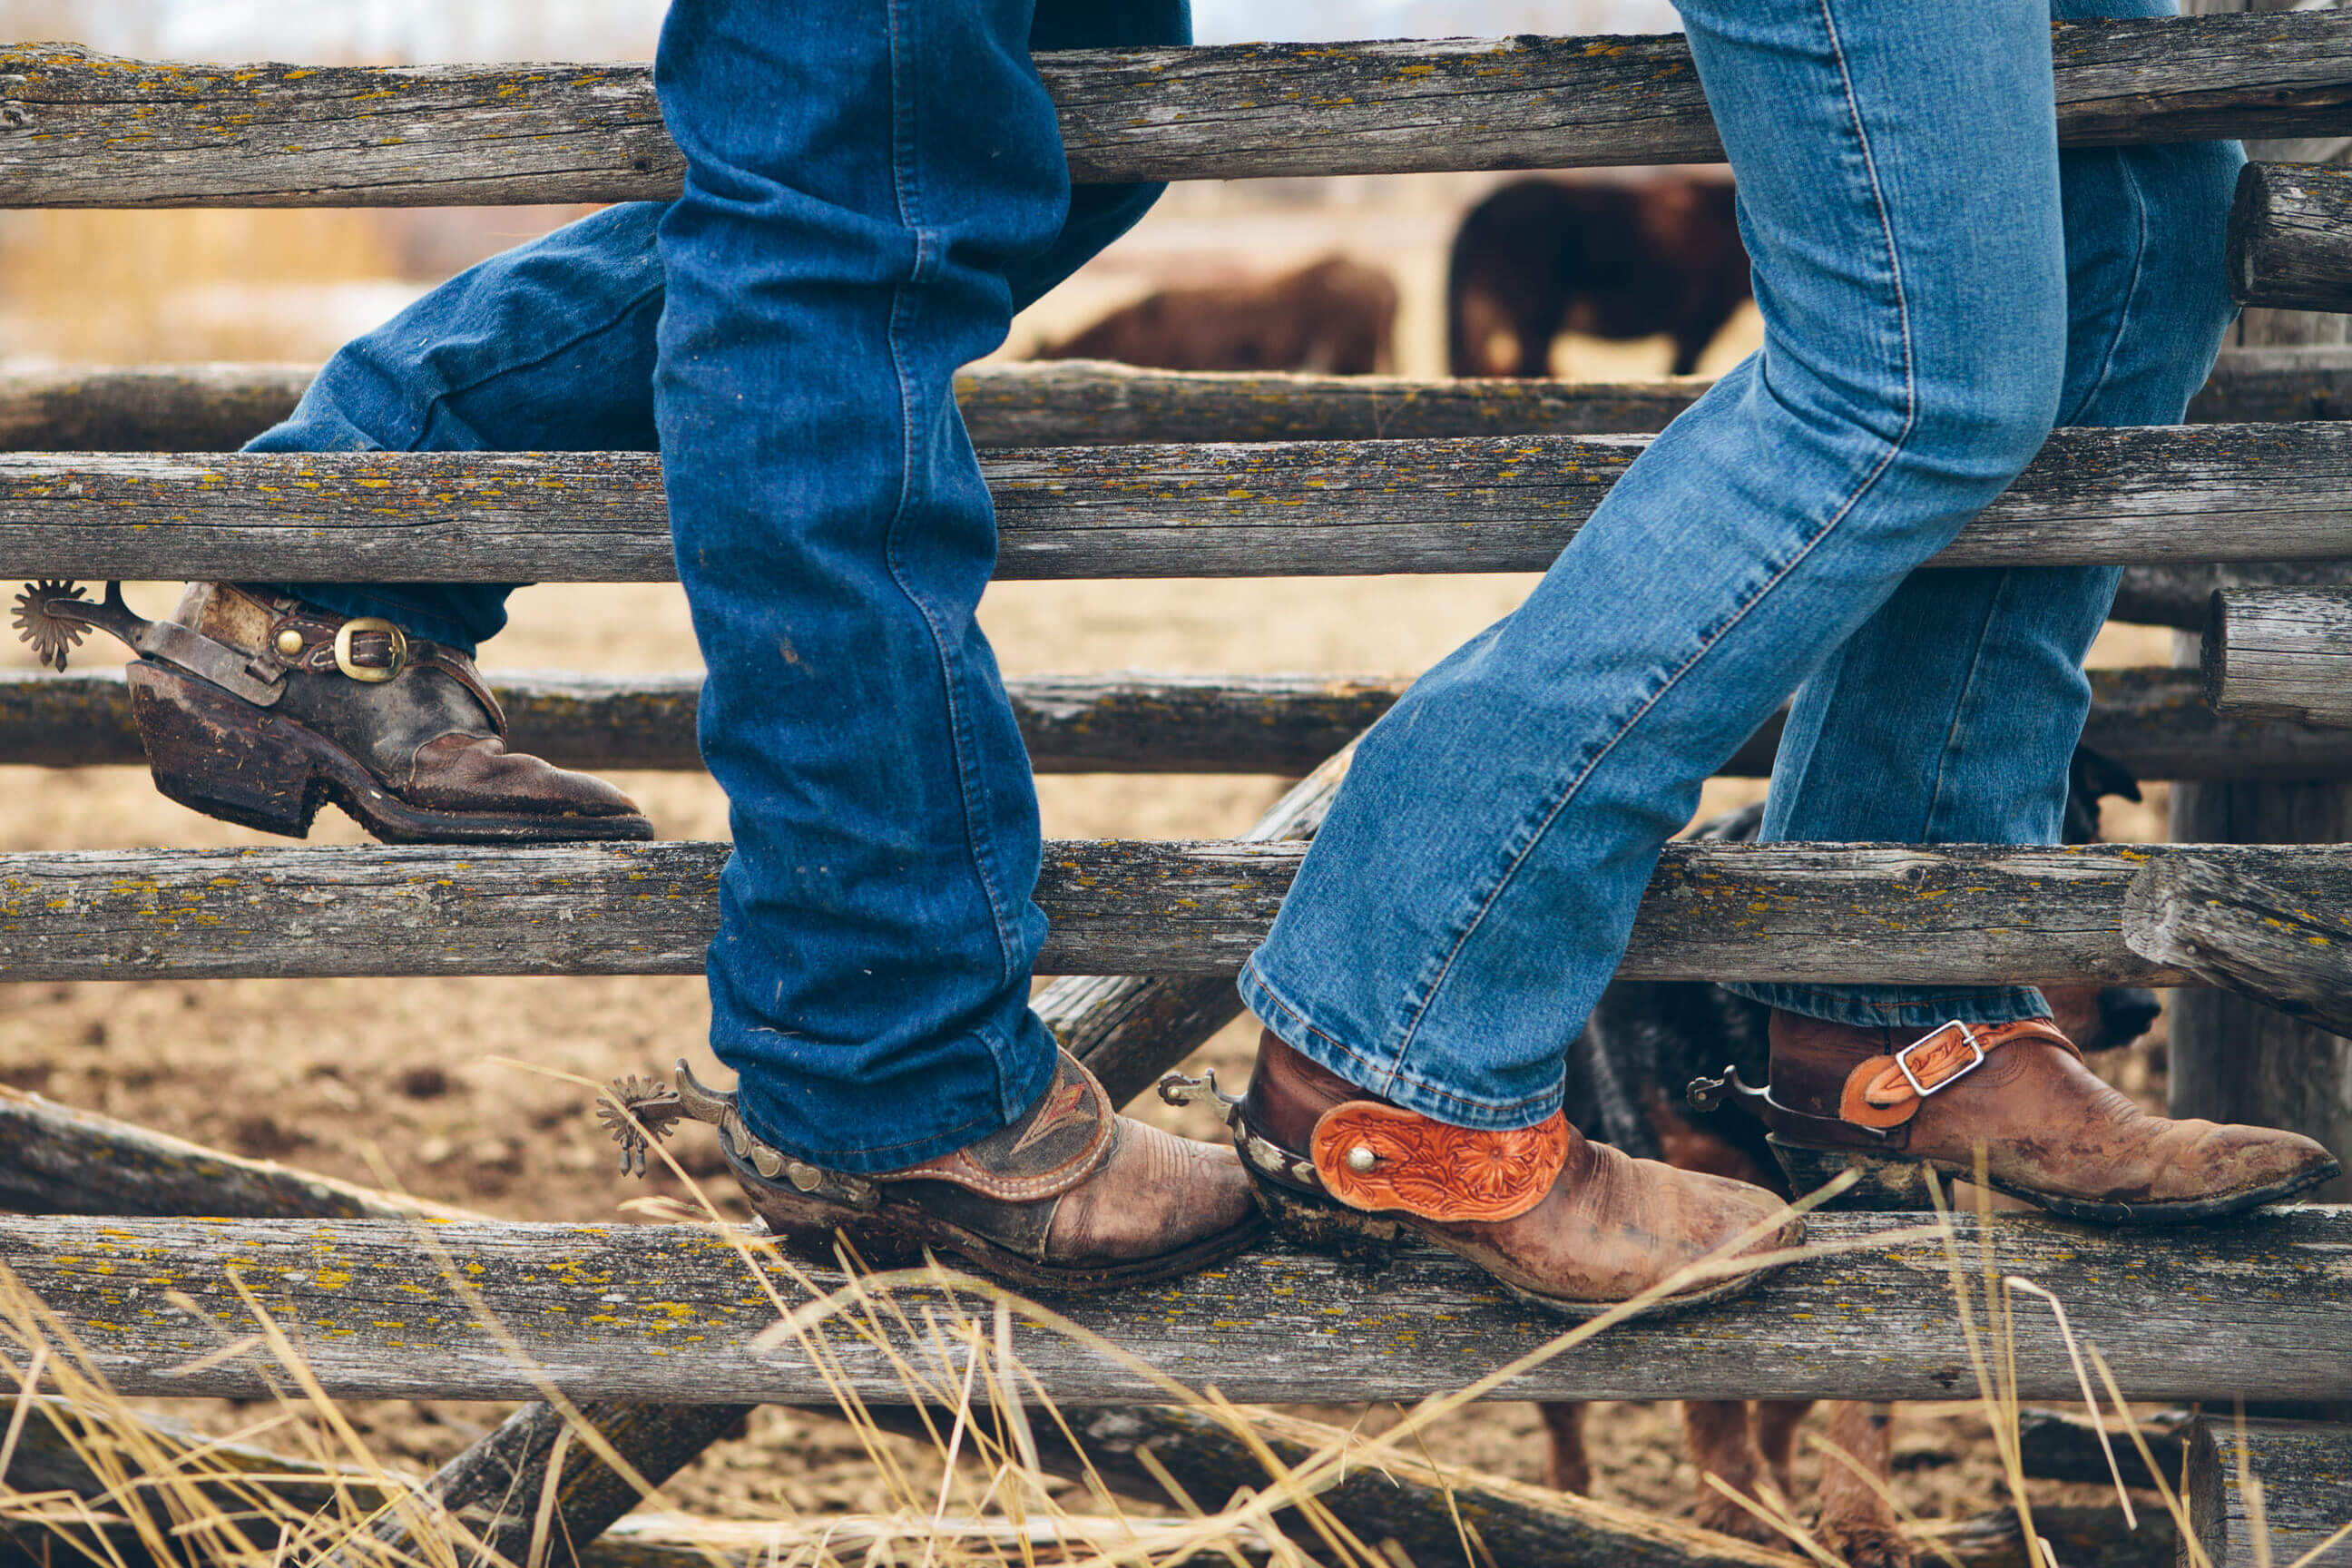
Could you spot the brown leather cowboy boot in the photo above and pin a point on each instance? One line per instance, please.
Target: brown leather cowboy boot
(256, 708)
(1069, 1197)
(1571, 1225)
(1888, 1102)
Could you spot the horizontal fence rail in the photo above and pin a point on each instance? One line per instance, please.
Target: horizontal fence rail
(2191, 493)
(1791, 912)
(2153, 721)
(672, 1313)
(1079, 403)
(90, 130)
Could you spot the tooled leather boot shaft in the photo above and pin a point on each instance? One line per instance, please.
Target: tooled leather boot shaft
(1584, 1226)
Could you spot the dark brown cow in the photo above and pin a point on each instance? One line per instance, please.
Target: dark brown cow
(1335, 317)
(1539, 258)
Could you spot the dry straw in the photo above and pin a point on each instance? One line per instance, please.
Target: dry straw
(948, 1339)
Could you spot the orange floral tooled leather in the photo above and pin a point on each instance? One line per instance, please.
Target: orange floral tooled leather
(1876, 1093)
(1431, 1170)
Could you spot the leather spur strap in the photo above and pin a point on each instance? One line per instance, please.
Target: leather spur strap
(1887, 1090)
(1381, 1157)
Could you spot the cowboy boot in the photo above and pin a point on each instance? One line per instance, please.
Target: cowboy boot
(1889, 1102)
(256, 708)
(1574, 1226)
(1069, 1197)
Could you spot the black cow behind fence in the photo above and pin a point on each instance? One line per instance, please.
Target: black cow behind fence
(1539, 258)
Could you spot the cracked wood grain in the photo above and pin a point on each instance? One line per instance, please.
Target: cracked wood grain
(2280, 653)
(1786, 912)
(2281, 938)
(87, 129)
(2155, 722)
(2186, 493)
(2290, 241)
(2253, 1308)
(2303, 1469)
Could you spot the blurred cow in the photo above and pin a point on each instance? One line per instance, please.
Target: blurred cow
(1336, 316)
(1539, 258)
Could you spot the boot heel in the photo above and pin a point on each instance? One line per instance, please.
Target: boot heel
(218, 755)
(1888, 1182)
(1319, 1224)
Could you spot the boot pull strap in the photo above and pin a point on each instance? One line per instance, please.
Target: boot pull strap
(1887, 1090)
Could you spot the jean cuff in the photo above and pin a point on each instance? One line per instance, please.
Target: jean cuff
(903, 1132)
(1388, 1079)
(1900, 1006)
(353, 599)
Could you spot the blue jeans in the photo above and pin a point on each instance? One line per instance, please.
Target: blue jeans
(874, 187)
(1938, 286)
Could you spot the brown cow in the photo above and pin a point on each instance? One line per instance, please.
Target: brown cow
(1335, 316)
(1539, 257)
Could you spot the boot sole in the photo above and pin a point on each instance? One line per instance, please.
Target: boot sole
(214, 752)
(1889, 1183)
(900, 1235)
(1320, 1224)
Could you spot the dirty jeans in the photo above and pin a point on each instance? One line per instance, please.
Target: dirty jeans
(1939, 285)
(874, 187)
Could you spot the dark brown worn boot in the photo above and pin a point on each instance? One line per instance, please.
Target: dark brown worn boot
(1069, 1197)
(1572, 1225)
(1888, 1102)
(256, 709)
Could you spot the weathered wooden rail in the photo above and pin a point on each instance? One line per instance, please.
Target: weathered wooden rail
(2280, 653)
(2257, 1308)
(219, 407)
(2153, 721)
(2291, 237)
(2303, 1469)
(1792, 913)
(1079, 402)
(2185, 493)
(88, 130)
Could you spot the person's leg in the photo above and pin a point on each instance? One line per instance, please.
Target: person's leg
(274, 698)
(1950, 718)
(1475, 884)
(549, 347)
(860, 181)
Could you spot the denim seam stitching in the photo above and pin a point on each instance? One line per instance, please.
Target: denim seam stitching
(910, 198)
(1895, 448)
(1967, 690)
(2131, 290)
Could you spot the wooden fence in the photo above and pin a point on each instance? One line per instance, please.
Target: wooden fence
(1099, 474)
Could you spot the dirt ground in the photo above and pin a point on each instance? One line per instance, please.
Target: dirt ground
(468, 1090)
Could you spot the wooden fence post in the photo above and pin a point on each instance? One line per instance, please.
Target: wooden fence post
(2232, 1058)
